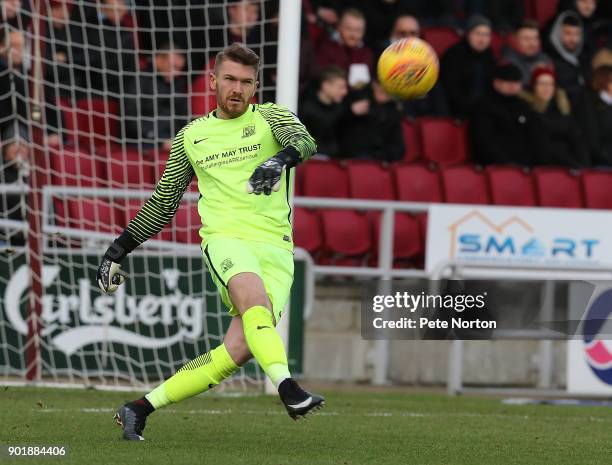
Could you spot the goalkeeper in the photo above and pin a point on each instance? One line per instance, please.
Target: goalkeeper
(238, 152)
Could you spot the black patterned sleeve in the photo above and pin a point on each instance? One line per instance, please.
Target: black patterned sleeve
(288, 129)
(162, 206)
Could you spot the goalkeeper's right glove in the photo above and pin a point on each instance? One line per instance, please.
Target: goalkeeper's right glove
(110, 276)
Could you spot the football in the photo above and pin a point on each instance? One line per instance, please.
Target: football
(408, 68)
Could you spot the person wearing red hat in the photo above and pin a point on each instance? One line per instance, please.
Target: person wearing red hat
(562, 144)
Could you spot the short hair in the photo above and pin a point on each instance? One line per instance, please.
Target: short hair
(240, 54)
(332, 72)
(601, 77)
(352, 12)
(528, 24)
(571, 20)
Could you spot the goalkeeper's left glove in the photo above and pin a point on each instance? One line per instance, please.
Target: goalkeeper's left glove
(266, 177)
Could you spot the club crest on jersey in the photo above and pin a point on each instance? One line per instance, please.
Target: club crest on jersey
(248, 131)
(226, 265)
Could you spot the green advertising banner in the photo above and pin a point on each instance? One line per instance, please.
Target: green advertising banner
(168, 312)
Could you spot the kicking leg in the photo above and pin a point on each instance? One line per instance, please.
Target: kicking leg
(249, 297)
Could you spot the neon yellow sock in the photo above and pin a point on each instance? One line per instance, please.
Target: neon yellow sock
(265, 343)
(197, 376)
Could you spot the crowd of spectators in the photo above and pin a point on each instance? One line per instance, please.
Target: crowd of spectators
(543, 96)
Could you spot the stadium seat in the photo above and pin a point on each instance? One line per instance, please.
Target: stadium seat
(597, 189)
(70, 167)
(412, 141)
(324, 179)
(97, 122)
(510, 185)
(541, 10)
(444, 141)
(557, 187)
(497, 43)
(407, 242)
(417, 183)
(95, 215)
(369, 180)
(130, 168)
(203, 100)
(307, 230)
(440, 38)
(187, 223)
(464, 184)
(347, 237)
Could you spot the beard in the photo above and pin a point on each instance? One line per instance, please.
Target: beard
(230, 108)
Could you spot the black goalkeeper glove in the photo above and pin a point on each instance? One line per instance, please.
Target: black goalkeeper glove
(110, 276)
(266, 177)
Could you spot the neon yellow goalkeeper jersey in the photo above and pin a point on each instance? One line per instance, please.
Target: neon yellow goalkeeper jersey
(223, 153)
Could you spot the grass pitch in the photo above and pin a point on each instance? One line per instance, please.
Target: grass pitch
(355, 428)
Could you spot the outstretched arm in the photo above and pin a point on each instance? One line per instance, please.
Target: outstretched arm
(152, 217)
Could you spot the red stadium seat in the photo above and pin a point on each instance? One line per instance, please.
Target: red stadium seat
(347, 237)
(557, 187)
(417, 183)
(95, 215)
(407, 243)
(187, 223)
(130, 168)
(412, 141)
(541, 10)
(464, 184)
(203, 100)
(71, 167)
(440, 38)
(511, 185)
(324, 179)
(97, 122)
(597, 189)
(369, 180)
(444, 142)
(497, 43)
(307, 230)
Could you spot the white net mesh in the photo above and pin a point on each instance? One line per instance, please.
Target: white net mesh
(117, 80)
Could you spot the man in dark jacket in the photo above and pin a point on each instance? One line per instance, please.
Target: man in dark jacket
(467, 67)
(321, 111)
(156, 105)
(525, 50)
(566, 50)
(504, 129)
(373, 128)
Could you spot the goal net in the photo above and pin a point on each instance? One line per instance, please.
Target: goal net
(96, 91)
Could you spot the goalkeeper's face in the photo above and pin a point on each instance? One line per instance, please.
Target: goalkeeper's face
(235, 85)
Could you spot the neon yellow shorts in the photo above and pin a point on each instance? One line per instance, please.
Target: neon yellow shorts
(227, 256)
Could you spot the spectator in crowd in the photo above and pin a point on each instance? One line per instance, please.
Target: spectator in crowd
(467, 67)
(322, 110)
(112, 49)
(562, 144)
(14, 154)
(156, 105)
(586, 10)
(432, 12)
(404, 27)
(602, 57)
(373, 128)
(505, 15)
(347, 50)
(504, 129)
(16, 13)
(14, 92)
(432, 104)
(595, 117)
(242, 25)
(525, 50)
(566, 50)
